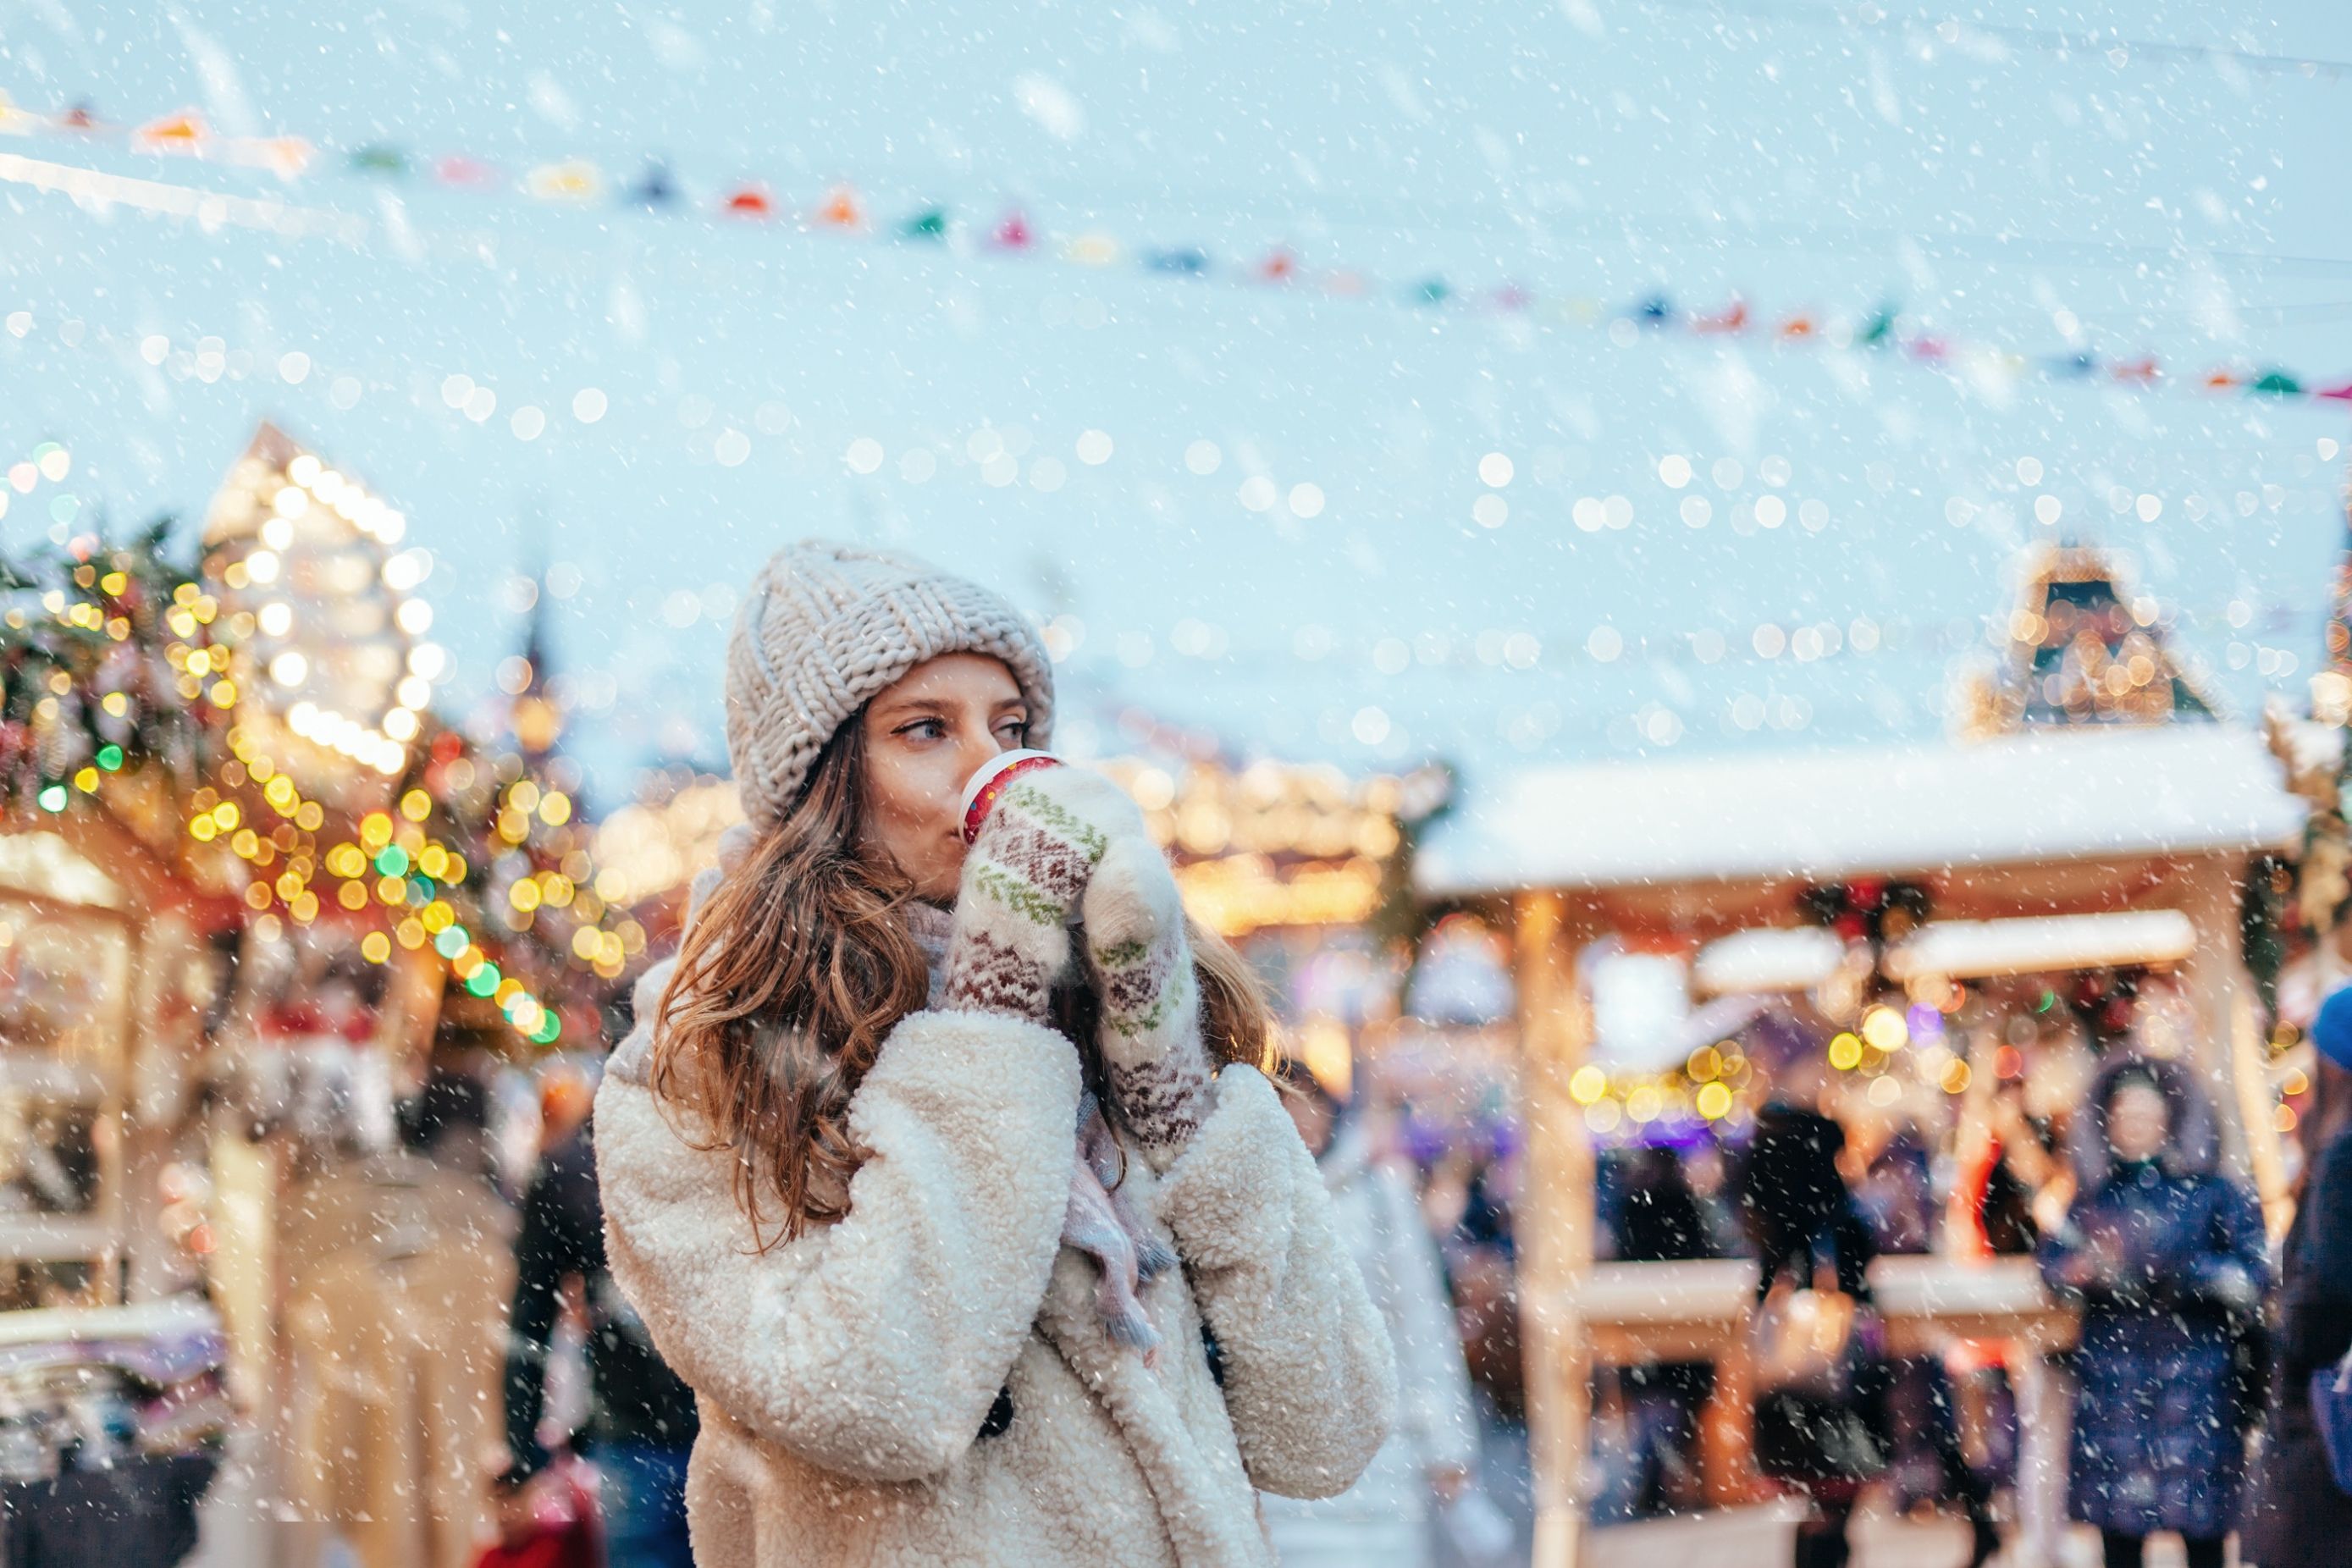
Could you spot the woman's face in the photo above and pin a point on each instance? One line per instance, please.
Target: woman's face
(2137, 1120)
(925, 736)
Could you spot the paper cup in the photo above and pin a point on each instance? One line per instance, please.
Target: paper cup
(980, 795)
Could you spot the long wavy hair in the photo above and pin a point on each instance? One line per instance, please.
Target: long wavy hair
(797, 968)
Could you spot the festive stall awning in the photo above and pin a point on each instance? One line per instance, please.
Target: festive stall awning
(2081, 794)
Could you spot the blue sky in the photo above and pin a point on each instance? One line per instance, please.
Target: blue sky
(2002, 188)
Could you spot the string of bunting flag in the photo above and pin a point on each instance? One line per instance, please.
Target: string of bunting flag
(1011, 232)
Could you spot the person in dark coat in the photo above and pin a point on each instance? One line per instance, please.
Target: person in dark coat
(2168, 1262)
(2299, 1515)
(642, 1419)
(1659, 1219)
(1801, 1216)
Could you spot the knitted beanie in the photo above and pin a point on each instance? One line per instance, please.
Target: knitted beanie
(826, 627)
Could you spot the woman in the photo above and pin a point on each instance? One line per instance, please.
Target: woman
(2300, 1515)
(855, 1175)
(1383, 1521)
(2167, 1259)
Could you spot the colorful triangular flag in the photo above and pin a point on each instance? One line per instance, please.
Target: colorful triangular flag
(842, 209)
(181, 132)
(1013, 232)
(928, 225)
(748, 200)
(574, 180)
(379, 159)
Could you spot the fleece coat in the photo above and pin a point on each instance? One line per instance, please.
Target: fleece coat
(928, 1381)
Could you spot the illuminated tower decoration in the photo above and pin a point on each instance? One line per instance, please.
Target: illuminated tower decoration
(2083, 648)
(319, 621)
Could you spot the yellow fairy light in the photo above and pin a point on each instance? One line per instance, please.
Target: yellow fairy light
(1714, 1101)
(226, 815)
(508, 989)
(352, 896)
(555, 808)
(514, 825)
(309, 816)
(112, 585)
(392, 889)
(464, 966)
(437, 916)
(257, 896)
(523, 895)
(1587, 1085)
(585, 945)
(1845, 1052)
(85, 781)
(555, 889)
(417, 806)
(411, 934)
(290, 886)
(375, 947)
(204, 830)
(223, 694)
(433, 861)
(1885, 1028)
(523, 796)
(247, 843)
(345, 860)
(305, 906)
(376, 831)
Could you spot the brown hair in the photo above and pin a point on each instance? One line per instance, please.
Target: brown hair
(797, 968)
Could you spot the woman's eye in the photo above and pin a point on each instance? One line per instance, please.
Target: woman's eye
(1017, 729)
(924, 730)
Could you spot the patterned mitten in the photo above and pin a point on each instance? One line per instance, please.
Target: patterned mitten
(1024, 872)
(1143, 965)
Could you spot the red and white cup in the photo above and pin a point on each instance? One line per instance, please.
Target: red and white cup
(988, 785)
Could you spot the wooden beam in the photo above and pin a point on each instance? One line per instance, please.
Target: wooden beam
(1556, 1234)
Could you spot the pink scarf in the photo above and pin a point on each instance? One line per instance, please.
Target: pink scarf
(1100, 1220)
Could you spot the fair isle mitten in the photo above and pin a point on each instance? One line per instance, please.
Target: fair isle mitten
(1142, 964)
(1022, 876)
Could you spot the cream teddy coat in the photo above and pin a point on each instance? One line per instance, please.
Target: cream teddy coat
(854, 1385)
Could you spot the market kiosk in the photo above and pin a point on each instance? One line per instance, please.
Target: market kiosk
(2116, 842)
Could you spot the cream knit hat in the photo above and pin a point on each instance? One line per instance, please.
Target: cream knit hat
(824, 629)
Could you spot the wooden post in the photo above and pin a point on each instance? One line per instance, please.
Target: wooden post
(1556, 1224)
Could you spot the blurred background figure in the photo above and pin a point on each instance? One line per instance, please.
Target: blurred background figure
(641, 1417)
(1422, 1483)
(2298, 1514)
(1820, 1429)
(394, 1324)
(1659, 1218)
(2167, 1258)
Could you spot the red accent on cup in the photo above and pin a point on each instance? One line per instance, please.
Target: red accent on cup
(981, 795)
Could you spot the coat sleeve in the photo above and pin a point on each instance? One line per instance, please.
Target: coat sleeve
(1433, 1382)
(872, 1347)
(1309, 1375)
(2232, 1269)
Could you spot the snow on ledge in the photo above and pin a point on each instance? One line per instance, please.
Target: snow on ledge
(2086, 794)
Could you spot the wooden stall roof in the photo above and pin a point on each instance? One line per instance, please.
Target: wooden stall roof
(2085, 795)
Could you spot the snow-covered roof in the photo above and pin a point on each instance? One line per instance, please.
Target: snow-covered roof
(2077, 795)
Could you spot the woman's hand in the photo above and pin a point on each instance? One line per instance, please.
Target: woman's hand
(1033, 857)
(1143, 967)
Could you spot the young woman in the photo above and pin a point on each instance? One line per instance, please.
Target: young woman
(2168, 1261)
(948, 1180)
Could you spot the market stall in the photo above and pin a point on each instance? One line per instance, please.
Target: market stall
(1896, 892)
